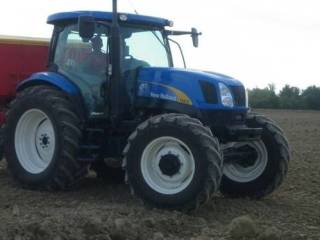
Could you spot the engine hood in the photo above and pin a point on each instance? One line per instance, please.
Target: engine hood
(190, 75)
(230, 81)
(177, 84)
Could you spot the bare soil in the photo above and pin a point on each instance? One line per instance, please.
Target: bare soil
(97, 211)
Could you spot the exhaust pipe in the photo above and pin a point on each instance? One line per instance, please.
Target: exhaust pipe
(115, 83)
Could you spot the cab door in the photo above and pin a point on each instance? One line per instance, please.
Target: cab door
(85, 63)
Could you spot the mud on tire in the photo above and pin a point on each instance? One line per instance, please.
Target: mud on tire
(177, 143)
(61, 170)
(278, 156)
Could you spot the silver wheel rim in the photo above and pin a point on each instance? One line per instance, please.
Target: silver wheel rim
(239, 173)
(154, 155)
(34, 141)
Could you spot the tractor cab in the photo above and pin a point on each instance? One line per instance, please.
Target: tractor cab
(87, 60)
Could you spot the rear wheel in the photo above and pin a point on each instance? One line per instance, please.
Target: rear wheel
(255, 169)
(43, 135)
(171, 162)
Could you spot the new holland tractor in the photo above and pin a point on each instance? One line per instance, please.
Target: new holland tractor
(112, 101)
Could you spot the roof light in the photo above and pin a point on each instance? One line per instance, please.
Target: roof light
(123, 17)
(171, 23)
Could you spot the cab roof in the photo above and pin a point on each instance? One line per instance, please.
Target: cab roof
(107, 16)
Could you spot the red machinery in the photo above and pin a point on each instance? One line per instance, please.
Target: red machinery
(19, 57)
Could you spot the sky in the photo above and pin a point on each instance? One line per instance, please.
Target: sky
(256, 41)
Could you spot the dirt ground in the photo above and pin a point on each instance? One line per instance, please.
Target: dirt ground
(97, 211)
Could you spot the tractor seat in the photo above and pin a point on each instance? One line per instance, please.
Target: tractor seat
(75, 55)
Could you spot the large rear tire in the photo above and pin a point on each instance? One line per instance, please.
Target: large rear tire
(172, 161)
(42, 140)
(263, 165)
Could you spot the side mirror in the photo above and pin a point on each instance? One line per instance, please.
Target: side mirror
(195, 37)
(86, 27)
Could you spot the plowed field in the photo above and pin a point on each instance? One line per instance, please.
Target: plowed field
(98, 211)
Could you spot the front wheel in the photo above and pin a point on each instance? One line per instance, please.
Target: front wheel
(172, 161)
(257, 168)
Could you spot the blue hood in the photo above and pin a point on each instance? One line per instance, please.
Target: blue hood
(191, 75)
(168, 83)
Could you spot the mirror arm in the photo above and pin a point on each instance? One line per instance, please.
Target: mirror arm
(179, 33)
(181, 52)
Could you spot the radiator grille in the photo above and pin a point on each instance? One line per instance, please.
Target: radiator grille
(239, 94)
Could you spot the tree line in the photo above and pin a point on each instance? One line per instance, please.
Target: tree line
(289, 97)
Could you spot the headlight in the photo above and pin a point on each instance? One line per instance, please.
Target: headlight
(226, 95)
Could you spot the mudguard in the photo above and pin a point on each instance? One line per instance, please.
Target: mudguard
(50, 78)
(61, 82)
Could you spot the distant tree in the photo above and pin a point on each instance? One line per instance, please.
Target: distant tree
(264, 98)
(311, 97)
(289, 92)
(290, 98)
(272, 88)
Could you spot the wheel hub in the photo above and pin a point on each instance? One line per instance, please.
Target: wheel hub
(44, 140)
(246, 156)
(170, 164)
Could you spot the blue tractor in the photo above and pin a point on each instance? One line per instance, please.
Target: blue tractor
(113, 102)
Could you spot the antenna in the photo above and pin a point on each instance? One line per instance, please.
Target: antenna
(133, 6)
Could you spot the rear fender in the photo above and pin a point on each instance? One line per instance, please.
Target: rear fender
(60, 82)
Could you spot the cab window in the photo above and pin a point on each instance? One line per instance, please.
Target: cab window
(84, 62)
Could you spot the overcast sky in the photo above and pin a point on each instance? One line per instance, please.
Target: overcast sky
(255, 41)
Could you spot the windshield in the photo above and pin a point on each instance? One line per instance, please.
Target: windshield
(146, 46)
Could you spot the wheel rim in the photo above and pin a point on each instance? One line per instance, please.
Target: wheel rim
(246, 172)
(34, 141)
(167, 165)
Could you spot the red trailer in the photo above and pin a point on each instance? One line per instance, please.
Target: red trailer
(19, 58)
